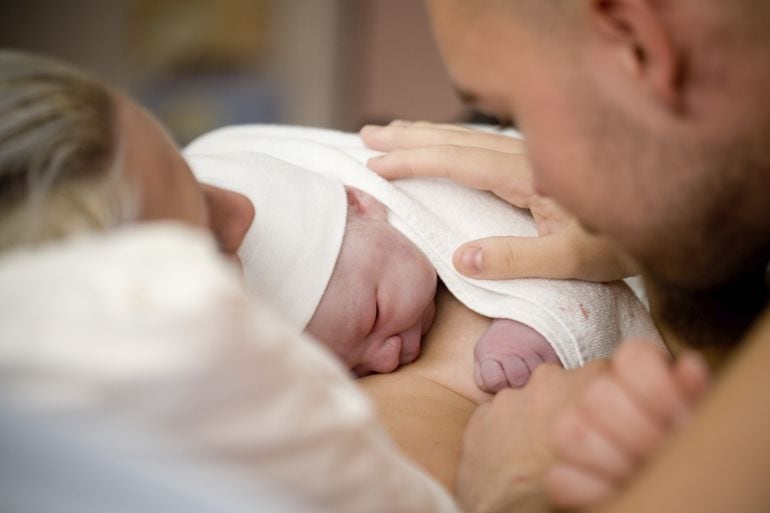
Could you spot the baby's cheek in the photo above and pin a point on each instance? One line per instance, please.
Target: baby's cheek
(428, 317)
(331, 327)
(423, 276)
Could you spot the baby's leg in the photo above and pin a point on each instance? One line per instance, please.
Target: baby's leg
(507, 354)
(622, 419)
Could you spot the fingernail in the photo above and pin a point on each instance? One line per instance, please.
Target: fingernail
(370, 128)
(471, 259)
(374, 162)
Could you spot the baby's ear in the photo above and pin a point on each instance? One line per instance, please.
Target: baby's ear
(365, 205)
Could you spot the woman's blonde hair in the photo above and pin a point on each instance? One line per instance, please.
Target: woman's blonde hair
(60, 167)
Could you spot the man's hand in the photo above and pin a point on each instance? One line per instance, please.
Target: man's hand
(620, 421)
(505, 447)
(497, 163)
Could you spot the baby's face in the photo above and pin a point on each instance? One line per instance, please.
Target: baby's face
(379, 300)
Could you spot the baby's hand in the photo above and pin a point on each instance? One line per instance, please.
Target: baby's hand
(622, 419)
(507, 354)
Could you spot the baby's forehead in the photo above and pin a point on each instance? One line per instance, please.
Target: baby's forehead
(373, 245)
(375, 233)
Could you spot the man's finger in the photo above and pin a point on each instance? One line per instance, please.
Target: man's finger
(498, 258)
(400, 136)
(693, 377)
(576, 443)
(427, 124)
(644, 371)
(608, 408)
(506, 175)
(570, 487)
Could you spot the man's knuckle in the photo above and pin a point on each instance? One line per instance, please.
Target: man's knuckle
(509, 258)
(545, 372)
(453, 152)
(596, 368)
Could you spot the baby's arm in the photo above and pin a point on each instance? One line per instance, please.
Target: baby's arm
(507, 354)
(622, 419)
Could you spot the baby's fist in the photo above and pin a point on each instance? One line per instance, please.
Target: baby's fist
(508, 353)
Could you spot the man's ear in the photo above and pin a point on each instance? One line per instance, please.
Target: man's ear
(640, 44)
(365, 205)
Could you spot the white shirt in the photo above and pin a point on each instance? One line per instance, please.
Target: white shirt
(150, 327)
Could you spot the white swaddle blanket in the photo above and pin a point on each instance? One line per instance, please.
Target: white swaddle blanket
(582, 321)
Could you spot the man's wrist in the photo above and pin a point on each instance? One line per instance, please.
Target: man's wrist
(524, 494)
(520, 501)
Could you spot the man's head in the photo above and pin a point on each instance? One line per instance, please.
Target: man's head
(379, 300)
(645, 118)
(76, 155)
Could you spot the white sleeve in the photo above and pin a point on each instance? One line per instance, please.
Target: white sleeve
(151, 328)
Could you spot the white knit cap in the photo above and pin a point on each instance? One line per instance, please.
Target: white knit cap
(290, 250)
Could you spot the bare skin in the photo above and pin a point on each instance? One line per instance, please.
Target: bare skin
(620, 422)
(727, 431)
(425, 406)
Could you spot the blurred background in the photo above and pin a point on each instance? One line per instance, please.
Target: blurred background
(201, 64)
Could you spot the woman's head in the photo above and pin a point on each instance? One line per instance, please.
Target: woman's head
(58, 152)
(77, 156)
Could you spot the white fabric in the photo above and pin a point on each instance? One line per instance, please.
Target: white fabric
(581, 320)
(150, 327)
(289, 252)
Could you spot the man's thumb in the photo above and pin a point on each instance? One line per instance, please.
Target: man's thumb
(498, 258)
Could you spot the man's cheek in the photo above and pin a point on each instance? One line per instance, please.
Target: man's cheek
(541, 169)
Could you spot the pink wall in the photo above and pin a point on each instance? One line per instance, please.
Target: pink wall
(339, 63)
(396, 70)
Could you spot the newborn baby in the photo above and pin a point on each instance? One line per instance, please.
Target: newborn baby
(360, 273)
(379, 303)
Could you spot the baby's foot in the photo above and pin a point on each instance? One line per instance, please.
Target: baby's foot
(507, 354)
(621, 420)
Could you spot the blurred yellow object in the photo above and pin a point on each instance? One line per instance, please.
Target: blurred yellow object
(168, 36)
